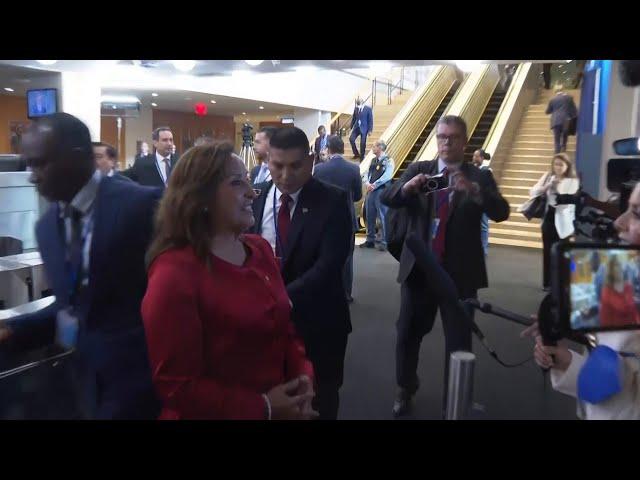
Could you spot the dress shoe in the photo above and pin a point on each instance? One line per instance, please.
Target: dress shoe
(368, 245)
(349, 298)
(382, 248)
(402, 404)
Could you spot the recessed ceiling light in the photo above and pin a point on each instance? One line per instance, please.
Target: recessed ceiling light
(213, 101)
(244, 113)
(154, 94)
(254, 63)
(154, 104)
(261, 107)
(114, 107)
(8, 89)
(184, 65)
(47, 62)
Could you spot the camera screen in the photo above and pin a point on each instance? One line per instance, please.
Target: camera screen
(604, 288)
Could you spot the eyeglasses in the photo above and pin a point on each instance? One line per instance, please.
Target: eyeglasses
(444, 138)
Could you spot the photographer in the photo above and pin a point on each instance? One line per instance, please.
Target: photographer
(566, 365)
(448, 221)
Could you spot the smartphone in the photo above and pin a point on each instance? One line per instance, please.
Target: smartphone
(596, 286)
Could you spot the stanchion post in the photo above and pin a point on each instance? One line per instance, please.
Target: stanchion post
(460, 389)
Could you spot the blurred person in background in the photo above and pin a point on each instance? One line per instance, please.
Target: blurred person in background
(558, 219)
(479, 156)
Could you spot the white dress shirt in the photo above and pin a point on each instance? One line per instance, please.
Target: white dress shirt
(264, 174)
(162, 166)
(268, 228)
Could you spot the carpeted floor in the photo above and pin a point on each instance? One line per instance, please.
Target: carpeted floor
(504, 393)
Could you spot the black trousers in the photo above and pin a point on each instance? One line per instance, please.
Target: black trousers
(327, 357)
(549, 237)
(355, 133)
(347, 271)
(560, 137)
(546, 73)
(417, 315)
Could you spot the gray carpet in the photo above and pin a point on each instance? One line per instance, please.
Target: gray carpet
(368, 392)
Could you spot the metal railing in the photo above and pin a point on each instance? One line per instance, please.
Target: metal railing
(410, 121)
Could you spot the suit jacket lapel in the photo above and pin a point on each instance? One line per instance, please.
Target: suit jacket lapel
(299, 216)
(105, 214)
(258, 207)
(53, 250)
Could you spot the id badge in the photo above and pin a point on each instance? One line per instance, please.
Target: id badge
(434, 228)
(67, 327)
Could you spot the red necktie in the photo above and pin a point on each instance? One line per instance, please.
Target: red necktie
(284, 221)
(442, 212)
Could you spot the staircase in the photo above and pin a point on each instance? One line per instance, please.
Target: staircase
(529, 158)
(484, 125)
(383, 114)
(427, 130)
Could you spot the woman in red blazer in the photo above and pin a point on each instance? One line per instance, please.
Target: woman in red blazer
(216, 312)
(617, 305)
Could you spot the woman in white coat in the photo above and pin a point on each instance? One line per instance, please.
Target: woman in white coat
(566, 364)
(558, 219)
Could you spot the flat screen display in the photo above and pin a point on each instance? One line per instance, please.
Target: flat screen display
(41, 103)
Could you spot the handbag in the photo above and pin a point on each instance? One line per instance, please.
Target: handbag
(535, 207)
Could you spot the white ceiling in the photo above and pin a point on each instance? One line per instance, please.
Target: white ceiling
(184, 101)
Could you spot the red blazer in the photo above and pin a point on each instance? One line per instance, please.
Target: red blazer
(617, 309)
(219, 338)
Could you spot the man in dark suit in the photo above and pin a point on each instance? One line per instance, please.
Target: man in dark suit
(345, 175)
(92, 240)
(448, 221)
(106, 158)
(562, 109)
(320, 143)
(260, 173)
(155, 169)
(144, 151)
(307, 223)
(361, 126)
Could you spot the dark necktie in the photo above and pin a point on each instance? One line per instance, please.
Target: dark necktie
(284, 221)
(74, 252)
(442, 213)
(167, 168)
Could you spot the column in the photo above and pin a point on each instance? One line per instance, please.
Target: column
(80, 97)
(309, 120)
(138, 128)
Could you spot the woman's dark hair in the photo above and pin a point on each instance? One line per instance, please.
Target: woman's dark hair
(484, 154)
(183, 217)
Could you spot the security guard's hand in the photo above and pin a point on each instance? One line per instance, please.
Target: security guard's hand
(369, 188)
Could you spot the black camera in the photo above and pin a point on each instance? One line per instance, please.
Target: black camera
(434, 183)
(247, 139)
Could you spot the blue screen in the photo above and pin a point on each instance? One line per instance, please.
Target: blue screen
(41, 102)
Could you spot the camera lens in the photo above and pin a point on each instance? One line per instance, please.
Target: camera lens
(432, 184)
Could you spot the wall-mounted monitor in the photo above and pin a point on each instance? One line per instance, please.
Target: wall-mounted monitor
(41, 103)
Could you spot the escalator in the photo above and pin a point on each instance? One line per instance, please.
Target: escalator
(484, 124)
(427, 130)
